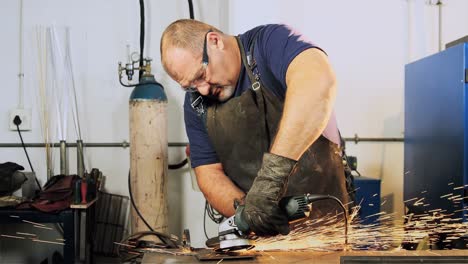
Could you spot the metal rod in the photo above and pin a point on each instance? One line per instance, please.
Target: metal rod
(63, 158)
(123, 144)
(50, 173)
(439, 6)
(79, 158)
(356, 139)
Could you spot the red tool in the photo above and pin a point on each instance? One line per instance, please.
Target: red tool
(84, 191)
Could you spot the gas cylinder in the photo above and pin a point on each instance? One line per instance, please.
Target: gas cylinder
(148, 154)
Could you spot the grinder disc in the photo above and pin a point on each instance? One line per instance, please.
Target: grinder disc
(234, 244)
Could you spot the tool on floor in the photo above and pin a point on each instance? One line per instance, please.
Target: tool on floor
(234, 232)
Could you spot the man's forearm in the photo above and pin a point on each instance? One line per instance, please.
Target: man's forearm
(308, 105)
(217, 188)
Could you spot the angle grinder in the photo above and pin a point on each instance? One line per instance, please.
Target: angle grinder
(233, 232)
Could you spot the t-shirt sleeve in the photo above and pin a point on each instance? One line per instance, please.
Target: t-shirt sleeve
(201, 150)
(279, 44)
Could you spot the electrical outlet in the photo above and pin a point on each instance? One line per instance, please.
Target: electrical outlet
(25, 115)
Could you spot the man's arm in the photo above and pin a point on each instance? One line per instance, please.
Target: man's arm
(310, 94)
(309, 101)
(218, 189)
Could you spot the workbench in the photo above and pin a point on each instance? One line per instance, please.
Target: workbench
(72, 222)
(345, 257)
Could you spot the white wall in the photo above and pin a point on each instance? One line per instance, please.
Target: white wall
(368, 43)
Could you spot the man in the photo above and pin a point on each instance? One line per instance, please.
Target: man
(258, 114)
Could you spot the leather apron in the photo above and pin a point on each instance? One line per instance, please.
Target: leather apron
(242, 129)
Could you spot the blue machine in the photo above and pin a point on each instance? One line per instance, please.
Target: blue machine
(368, 196)
(436, 133)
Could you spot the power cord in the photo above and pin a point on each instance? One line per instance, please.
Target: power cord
(204, 219)
(319, 197)
(214, 215)
(17, 121)
(178, 165)
(163, 237)
(142, 36)
(191, 9)
(134, 205)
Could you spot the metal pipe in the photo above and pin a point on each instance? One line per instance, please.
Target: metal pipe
(21, 70)
(63, 158)
(124, 144)
(79, 158)
(356, 139)
(50, 173)
(439, 6)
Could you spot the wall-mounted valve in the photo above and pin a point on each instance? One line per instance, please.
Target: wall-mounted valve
(132, 65)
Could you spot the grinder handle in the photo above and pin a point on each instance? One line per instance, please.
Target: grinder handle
(296, 207)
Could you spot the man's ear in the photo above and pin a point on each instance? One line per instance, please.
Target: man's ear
(215, 38)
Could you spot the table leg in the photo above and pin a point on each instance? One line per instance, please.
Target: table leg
(68, 235)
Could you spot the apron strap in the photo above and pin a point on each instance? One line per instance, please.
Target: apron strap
(349, 177)
(250, 64)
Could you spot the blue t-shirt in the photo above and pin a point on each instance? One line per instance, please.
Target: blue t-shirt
(276, 46)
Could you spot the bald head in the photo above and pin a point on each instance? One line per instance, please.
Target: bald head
(185, 34)
(182, 46)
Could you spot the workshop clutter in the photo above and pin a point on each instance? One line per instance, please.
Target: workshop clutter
(11, 178)
(56, 194)
(112, 212)
(61, 191)
(85, 188)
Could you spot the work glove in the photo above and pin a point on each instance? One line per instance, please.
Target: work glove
(261, 211)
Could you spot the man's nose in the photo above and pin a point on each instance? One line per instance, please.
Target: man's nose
(204, 88)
